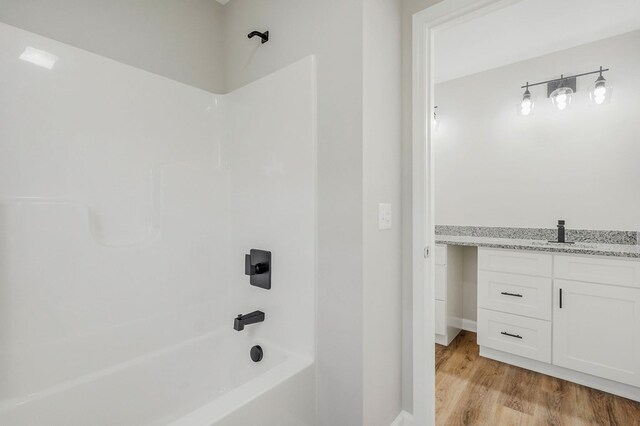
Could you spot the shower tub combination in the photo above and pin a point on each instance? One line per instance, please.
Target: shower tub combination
(127, 203)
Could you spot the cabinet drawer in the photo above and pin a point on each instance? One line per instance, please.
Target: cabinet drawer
(441, 282)
(441, 321)
(598, 270)
(527, 337)
(515, 294)
(441, 254)
(515, 262)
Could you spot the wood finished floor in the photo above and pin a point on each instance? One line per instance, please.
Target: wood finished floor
(471, 390)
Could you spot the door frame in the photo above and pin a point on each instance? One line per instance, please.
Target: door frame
(425, 24)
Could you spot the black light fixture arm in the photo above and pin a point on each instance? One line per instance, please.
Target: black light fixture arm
(264, 36)
(563, 77)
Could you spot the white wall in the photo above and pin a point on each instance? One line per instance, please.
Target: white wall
(181, 40)
(496, 168)
(381, 183)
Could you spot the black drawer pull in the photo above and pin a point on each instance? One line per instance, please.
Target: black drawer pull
(511, 335)
(506, 293)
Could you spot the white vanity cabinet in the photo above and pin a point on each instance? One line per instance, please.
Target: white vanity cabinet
(448, 293)
(571, 316)
(596, 326)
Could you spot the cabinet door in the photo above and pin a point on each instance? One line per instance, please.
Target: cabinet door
(596, 330)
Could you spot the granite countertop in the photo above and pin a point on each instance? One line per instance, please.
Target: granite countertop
(584, 248)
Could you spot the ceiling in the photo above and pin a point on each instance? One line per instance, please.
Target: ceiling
(527, 29)
(223, 1)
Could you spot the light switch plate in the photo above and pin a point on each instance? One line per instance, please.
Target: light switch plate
(384, 216)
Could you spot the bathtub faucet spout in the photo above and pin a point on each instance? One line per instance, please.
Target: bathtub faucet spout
(252, 318)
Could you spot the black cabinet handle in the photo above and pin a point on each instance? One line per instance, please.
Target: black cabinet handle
(506, 293)
(517, 336)
(560, 298)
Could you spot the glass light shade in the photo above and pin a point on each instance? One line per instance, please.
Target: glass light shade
(600, 92)
(526, 105)
(561, 98)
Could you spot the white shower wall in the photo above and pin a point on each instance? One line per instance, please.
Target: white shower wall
(127, 202)
(111, 247)
(273, 197)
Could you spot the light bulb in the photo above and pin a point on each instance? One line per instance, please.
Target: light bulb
(527, 103)
(599, 92)
(561, 97)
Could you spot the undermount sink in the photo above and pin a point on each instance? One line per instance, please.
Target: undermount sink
(555, 244)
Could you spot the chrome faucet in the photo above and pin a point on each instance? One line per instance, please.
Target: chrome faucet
(241, 320)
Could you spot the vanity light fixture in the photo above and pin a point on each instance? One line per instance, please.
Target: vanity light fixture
(561, 90)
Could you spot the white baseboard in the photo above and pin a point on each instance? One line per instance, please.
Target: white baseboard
(403, 419)
(470, 325)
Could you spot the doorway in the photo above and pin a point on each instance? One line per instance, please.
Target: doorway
(426, 26)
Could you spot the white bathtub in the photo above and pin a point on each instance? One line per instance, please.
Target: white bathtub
(205, 381)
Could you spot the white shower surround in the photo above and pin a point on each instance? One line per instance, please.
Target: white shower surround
(127, 202)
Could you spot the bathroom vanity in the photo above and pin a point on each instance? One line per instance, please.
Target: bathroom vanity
(569, 311)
